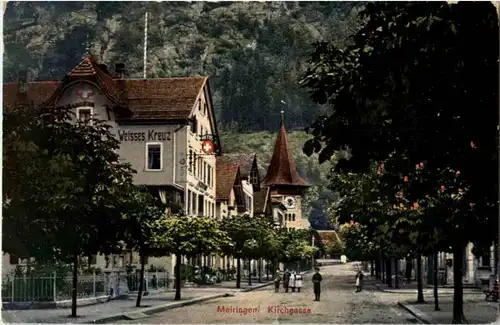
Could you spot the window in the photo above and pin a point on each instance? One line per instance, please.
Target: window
(204, 172)
(193, 204)
(13, 259)
(154, 159)
(485, 260)
(248, 202)
(201, 200)
(193, 125)
(189, 203)
(293, 217)
(194, 162)
(84, 114)
(209, 175)
(254, 179)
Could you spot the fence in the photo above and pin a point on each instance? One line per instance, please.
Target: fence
(50, 288)
(153, 281)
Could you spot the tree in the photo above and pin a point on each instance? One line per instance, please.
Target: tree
(189, 236)
(388, 89)
(240, 229)
(295, 245)
(262, 244)
(65, 202)
(335, 248)
(141, 213)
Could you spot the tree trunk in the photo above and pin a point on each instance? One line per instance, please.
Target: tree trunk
(372, 267)
(409, 266)
(238, 272)
(377, 269)
(141, 280)
(389, 273)
(267, 270)
(382, 271)
(420, 285)
(177, 277)
(430, 269)
(259, 270)
(495, 249)
(396, 273)
(458, 302)
(249, 272)
(74, 286)
(436, 270)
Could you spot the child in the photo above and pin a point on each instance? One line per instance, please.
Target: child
(359, 281)
(293, 279)
(298, 281)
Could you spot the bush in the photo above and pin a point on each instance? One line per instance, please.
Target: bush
(187, 272)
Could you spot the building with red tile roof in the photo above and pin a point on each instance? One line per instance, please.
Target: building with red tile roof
(166, 126)
(285, 184)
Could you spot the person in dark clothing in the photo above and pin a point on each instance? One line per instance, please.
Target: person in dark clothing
(316, 279)
(286, 280)
(277, 281)
(359, 281)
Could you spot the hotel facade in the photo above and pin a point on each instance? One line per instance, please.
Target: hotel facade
(168, 133)
(166, 127)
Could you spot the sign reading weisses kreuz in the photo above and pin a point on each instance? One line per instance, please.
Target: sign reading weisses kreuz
(149, 135)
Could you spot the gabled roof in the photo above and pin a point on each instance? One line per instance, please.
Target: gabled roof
(226, 175)
(329, 236)
(37, 92)
(146, 99)
(88, 69)
(244, 160)
(283, 169)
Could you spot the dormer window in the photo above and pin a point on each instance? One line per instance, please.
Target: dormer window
(84, 114)
(254, 177)
(193, 125)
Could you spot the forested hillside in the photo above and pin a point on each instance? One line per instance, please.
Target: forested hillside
(254, 52)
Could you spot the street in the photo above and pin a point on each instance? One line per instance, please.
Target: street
(339, 304)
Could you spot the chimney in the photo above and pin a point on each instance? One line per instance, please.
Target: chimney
(104, 68)
(120, 70)
(22, 78)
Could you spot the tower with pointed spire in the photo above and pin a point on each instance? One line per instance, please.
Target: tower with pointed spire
(285, 183)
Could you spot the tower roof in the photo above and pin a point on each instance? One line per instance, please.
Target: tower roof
(283, 169)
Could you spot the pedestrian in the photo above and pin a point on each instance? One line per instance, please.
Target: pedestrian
(292, 280)
(286, 280)
(316, 279)
(359, 281)
(298, 281)
(277, 281)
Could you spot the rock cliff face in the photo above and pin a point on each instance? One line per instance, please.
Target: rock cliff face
(255, 52)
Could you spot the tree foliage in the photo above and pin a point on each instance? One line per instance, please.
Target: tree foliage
(141, 213)
(189, 236)
(63, 188)
(418, 85)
